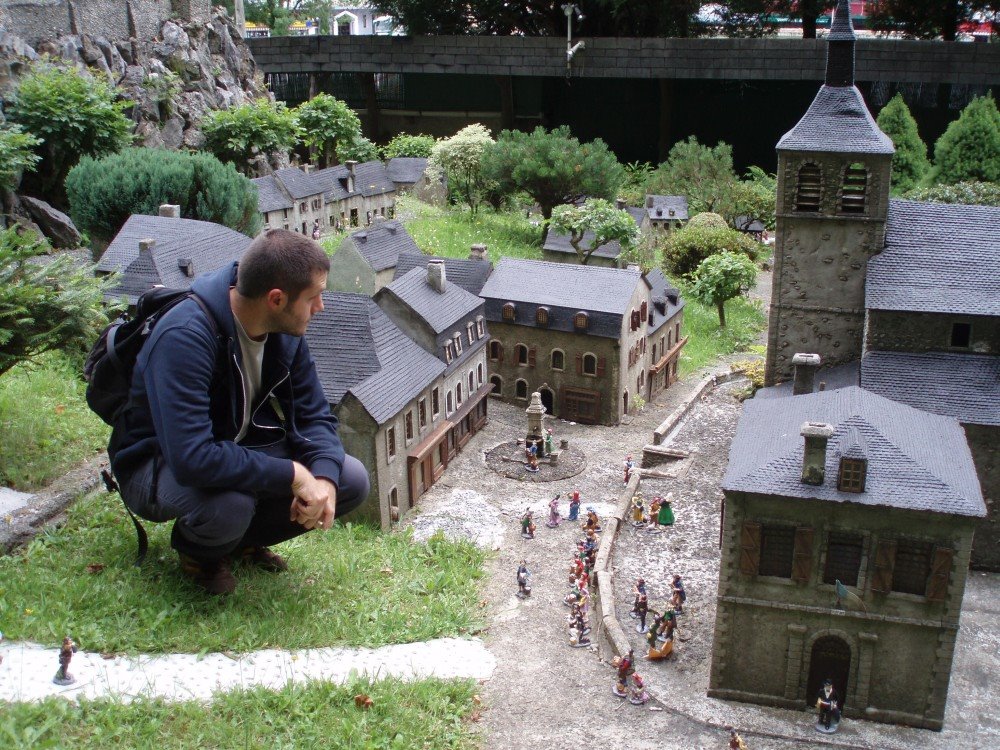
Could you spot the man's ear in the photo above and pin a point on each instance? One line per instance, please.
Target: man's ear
(275, 299)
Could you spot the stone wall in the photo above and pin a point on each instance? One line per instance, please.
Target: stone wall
(37, 20)
(738, 59)
(984, 442)
(890, 330)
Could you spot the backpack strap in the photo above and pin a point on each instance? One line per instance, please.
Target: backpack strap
(140, 532)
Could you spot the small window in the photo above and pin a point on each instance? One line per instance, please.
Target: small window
(435, 402)
(479, 374)
(777, 548)
(809, 188)
(422, 413)
(558, 359)
(580, 321)
(472, 381)
(961, 335)
(843, 558)
(471, 331)
(496, 350)
(302, 207)
(449, 352)
(912, 567)
(521, 389)
(677, 333)
(458, 394)
(521, 354)
(458, 343)
(394, 501)
(451, 404)
(853, 189)
(509, 311)
(654, 354)
(852, 475)
(480, 327)
(644, 311)
(408, 426)
(542, 316)
(390, 441)
(589, 364)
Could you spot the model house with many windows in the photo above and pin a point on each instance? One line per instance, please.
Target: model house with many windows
(582, 336)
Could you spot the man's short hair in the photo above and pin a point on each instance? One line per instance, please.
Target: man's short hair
(280, 259)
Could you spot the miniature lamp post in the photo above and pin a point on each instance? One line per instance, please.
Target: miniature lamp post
(571, 49)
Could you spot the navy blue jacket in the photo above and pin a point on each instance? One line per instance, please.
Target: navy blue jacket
(187, 397)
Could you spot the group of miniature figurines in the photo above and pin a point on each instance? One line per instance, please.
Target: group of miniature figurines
(661, 512)
(660, 634)
(555, 516)
(531, 451)
(580, 572)
(628, 683)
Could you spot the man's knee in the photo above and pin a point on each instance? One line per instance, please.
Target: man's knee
(221, 519)
(354, 485)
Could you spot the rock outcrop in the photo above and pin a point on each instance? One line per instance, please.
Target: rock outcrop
(53, 223)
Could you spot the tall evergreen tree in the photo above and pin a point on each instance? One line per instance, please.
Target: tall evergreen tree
(909, 163)
(969, 150)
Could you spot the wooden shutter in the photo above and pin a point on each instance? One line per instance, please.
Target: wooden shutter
(579, 364)
(802, 554)
(643, 313)
(937, 584)
(531, 357)
(750, 548)
(600, 366)
(500, 352)
(885, 561)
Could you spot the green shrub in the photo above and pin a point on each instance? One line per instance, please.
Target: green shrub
(707, 219)
(909, 163)
(326, 123)
(405, 144)
(357, 149)
(16, 155)
(686, 248)
(238, 134)
(969, 150)
(970, 193)
(103, 193)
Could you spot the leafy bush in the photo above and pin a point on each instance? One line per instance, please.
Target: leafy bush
(44, 306)
(405, 144)
(969, 150)
(461, 159)
(752, 368)
(327, 123)
(16, 154)
(707, 219)
(633, 189)
(357, 149)
(686, 248)
(971, 193)
(240, 134)
(74, 115)
(909, 163)
(103, 193)
(703, 174)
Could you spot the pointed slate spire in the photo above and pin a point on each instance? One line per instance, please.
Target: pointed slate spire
(840, 53)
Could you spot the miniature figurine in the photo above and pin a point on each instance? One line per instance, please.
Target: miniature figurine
(593, 522)
(574, 506)
(315, 229)
(523, 580)
(642, 608)
(679, 596)
(640, 591)
(666, 516)
(554, 517)
(578, 632)
(827, 703)
(549, 447)
(527, 525)
(66, 651)
(532, 453)
(654, 513)
(663, 628)
(637, 694)
(638, 510)
(624, 670)
(628, 469)
(735, 741)
(574, 613)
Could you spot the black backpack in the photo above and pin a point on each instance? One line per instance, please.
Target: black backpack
(109, 366)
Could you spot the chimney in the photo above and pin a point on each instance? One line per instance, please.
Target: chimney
(391, 226)
(478, 252)
(146, 246)
(307, 168)
(805, 373)
(350, 164)
(659, 211)
(816, 435)
(170, 211)
(436, 276)
(649, 201)
(620, 204)
(672, 212)
(187, 266)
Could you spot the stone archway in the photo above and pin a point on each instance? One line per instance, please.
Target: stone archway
(548, 399)
(830, 656)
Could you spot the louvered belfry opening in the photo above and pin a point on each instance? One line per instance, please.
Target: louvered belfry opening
(852, 193)
(809, 188)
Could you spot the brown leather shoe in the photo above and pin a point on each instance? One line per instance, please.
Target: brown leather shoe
(216, 576)
(265, 559)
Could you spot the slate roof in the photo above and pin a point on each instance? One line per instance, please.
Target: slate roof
(270, 196)
(837, 121)
(665, 202)
(382, 242)
(359, 350)
(441, 310)
(207, 245)
(469, 274)
(559, 243)
(835, 377)
(666, 299)
(406, 170)
(916, 461)
(963, 386)
(298, 184)
(370, 178)
(938, 258)
(748, 224)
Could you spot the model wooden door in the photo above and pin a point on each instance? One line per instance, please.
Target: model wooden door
(830, 657)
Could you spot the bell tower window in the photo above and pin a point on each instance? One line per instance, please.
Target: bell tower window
(808, 187)
(854, 189)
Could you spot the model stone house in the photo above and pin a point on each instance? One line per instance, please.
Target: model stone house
(559, 249)
(347, 195)
(663, 334)
(366, 260)
(852, 487)
(167, 251)
(471, 274)
(907, 293)
(579, 335)
(409, 174)
(665, 212)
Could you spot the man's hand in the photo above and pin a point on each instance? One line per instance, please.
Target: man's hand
(315, 500)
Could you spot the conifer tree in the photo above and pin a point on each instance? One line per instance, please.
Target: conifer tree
(969, 150)
(909, 163)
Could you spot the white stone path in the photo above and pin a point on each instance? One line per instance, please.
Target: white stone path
(27, 669)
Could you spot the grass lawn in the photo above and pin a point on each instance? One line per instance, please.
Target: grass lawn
(46, 427)
(350, 586)
(426, 714)
(707, 341)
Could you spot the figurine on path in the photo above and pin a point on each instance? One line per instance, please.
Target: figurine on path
(666, 516)
(523, 580)
(638, 510)
(640, 591)
(654, 512)
(642, 608)
(637, 694)
(532, 458)
(66, 651)
(679, 596)
(828, 705)
(735, 741)
(554, 517)
(574, 506)
(593, 523)
(628, 469)
(548, 442)
(624, 670)
(527, 525)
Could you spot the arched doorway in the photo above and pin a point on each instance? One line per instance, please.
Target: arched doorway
(548, 399)
(625, 403)
(497, 382)
(830, 657)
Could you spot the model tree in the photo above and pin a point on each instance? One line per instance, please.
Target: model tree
(246, 134)
(326, 123)
(405, 144)
(553, 167)
(969, 150)
(461, 159)
(722, 277)
(599, 217)
(703, 174)
(686, 248)
(72, 114)
(753, 198)
(358, 148)
(909, 163)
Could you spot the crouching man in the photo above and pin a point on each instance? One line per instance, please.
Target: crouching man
(227, 431)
